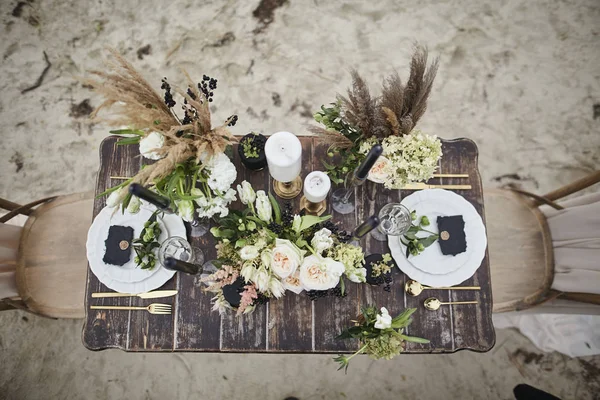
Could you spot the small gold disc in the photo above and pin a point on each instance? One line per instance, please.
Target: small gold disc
(123, 244)
(444, 235)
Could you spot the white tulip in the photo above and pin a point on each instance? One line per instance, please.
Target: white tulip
(359, 275)
(246, 192)
(185, 209)
(134, 205)
(116, 197)
(263, 206)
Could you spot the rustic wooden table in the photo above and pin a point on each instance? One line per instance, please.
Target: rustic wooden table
(293, 324)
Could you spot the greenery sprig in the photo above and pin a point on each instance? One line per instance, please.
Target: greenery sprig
(416, 245)
(380, 336)
(148, 241)
(332, 119)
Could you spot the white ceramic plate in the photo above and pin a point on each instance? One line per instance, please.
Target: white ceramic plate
(432, 267)
(128, 278)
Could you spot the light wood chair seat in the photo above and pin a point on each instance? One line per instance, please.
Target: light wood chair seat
(520, 250)
(52, 263)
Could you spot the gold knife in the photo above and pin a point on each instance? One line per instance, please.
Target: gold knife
(420, 185)
(148, 295)
(450, 175)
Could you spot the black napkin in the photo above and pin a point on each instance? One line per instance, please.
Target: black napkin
(118, 245)
(452, 235)
(233, 293)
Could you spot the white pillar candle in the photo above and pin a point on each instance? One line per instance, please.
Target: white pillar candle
(284, 156)
(316, 186)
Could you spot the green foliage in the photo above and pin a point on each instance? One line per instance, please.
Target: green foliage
(332, 119)
(146, 243)
(378, 343)
(415, 245)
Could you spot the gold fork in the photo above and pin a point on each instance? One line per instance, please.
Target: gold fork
(154, 308)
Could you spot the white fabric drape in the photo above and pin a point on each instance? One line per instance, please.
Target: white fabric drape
(575, 235)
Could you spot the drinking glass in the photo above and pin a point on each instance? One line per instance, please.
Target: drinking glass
(395, 220)
(179, 248)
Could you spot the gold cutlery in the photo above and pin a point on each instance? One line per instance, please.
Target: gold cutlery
(414, 288)
(450, 175)
(421, 185)
(148, 295)
(154, 308)
(434, 304)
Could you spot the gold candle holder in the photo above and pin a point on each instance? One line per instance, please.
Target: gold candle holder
(288, 190)
(313, 208)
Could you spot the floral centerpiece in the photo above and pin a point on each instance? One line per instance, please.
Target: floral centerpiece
(274, 252)
(188, 164)
(355, 123)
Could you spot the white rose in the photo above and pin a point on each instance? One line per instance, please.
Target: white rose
(246, 192)
(318, 273)
(116, 197)
(285, 258)
(134, 205)
(322, 240)
(249, 252)
(292, 283)
(185, 209)
(151, 142)
(380, 171)
(384, 320)
(263, 206)
(276, 287)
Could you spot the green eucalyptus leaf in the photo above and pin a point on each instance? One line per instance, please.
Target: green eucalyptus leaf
(310, 220)
(414, 339)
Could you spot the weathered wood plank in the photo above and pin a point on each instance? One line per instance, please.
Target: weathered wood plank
(247, 332)
(472, 324)
(105, 329)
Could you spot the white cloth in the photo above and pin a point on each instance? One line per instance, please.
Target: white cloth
(575, 235)
(9, 245)
(573, 335)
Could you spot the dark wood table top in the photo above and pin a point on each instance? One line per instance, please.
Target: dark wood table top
(294, 323)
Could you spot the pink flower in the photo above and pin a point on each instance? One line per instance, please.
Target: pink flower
(248, 296)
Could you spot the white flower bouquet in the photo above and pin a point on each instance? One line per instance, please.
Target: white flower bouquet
(267, 251)
(188, 162)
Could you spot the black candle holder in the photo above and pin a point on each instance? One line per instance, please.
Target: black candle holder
(257, 142)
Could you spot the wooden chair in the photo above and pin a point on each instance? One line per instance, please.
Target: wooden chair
(50, 256)
(520, 247)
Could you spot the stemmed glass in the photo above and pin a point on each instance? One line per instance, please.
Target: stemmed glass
(341, 199)
(395, 220)
(176, 253)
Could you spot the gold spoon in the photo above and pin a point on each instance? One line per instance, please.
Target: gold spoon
(414, 288)
(434, 304)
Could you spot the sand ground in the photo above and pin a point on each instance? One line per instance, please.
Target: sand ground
(520, 78)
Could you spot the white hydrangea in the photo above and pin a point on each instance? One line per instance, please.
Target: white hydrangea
(412, 158)
(222, 173)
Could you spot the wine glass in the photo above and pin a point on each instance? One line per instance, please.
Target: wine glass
(395, 220)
